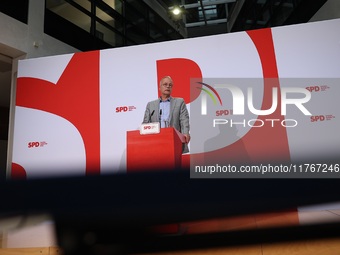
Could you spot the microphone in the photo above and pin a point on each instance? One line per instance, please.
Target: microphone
(160, 117)
(151, 116)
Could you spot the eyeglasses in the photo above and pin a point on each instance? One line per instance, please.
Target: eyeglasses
(167, 85)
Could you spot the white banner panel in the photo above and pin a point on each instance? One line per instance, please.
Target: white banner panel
(311, 53)
(80, 106)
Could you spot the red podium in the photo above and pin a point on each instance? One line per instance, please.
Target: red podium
(154, 151)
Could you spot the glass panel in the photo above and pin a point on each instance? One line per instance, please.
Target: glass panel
(70, 13)
(156, 34)
(137, 6)
(84, 3)
(108, 36)
(56, 6)
(17, 9)
(157, 23)
(115, 4)
(51, 4)
(136, 36)
(109, 20)
(210, 12)
(136, 28)
(160, 30)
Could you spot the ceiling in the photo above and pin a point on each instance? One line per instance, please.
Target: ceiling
(208, 17)
(205, 17)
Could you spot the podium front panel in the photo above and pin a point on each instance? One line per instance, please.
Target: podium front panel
(162, 151)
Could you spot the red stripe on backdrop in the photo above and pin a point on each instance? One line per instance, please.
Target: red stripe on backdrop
(259, 145)
(268, 143)
(264, 44)
(75, 97)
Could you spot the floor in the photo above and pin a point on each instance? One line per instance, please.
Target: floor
(25, 240)
(318, 247)
(302, 216)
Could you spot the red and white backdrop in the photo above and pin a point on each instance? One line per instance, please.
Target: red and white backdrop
(72, 111)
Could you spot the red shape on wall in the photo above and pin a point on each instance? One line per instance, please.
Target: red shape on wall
(265, 144)
(18, 172)
(74, 97)
(268, 143)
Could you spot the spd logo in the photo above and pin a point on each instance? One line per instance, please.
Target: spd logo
(148, 127)
(317, 118)
(125, 108)
(224, 112)
(313, 88)
(318, 88)
(320, 118)
(36, 144)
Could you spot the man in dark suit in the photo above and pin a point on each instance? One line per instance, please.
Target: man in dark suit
(169, 111)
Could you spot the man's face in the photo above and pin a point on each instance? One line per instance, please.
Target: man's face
(166, 87)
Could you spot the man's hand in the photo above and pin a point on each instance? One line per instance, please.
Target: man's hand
(187, 138)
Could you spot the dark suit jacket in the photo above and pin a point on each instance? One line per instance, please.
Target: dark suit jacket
(179, 116)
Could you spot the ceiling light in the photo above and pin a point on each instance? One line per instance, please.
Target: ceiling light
(176, 10)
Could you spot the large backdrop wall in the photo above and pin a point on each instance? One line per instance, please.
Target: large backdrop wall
(73, 111)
